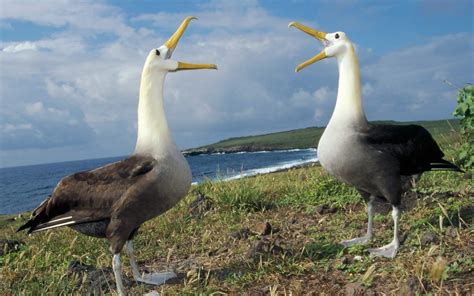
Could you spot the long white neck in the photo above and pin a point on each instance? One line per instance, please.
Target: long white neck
(349, 110)
(154, 137)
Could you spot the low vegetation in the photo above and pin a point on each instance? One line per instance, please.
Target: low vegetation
(273, 234)
(465, 111)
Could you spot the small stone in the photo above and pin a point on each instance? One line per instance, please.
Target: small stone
(357, 258)
(428, 238)
(409, 287)
(94, 280)
(262, 228)
(451, 232)
(347, 259)
(354, 289)
(264, 246)
(242, 233)
(325, 209)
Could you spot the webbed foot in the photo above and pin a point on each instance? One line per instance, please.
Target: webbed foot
(156, 278)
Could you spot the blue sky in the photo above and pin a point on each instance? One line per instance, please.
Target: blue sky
(69, 70)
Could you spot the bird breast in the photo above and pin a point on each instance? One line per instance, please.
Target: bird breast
(338, 150)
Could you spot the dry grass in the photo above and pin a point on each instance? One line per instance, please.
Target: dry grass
(299, 256)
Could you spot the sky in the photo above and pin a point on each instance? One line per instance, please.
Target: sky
(70, 70)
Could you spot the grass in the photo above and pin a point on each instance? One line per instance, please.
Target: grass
(300, 255)
(443, 130)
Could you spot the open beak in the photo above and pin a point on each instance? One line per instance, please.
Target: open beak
(188, 66)
(321, 36)
(173, 41)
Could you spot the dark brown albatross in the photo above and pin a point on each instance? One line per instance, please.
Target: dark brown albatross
(114, 200)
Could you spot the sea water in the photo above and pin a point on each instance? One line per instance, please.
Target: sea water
(23, 188)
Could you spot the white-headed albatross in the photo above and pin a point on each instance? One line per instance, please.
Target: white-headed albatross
(376, 159)
(114, 200)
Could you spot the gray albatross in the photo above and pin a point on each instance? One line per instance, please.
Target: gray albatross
(114, 200)
(377, 159)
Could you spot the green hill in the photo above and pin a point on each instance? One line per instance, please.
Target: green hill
(442, 130)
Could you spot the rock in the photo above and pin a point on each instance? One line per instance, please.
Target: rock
(357, 258)
(94, 281)
(201, 205)
(7, 246)
(325, 209)
(347, 259)
(409, 288)
(242, 233)
(354, 289)
(262, 228)
(264, 246)
(451, 232)
(428, 238)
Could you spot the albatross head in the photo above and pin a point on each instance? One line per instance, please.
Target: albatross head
(159, 59)
(336, 44)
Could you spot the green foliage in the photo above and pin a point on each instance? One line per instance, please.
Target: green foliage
(465, 111)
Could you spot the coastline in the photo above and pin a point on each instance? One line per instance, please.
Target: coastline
(229, 176)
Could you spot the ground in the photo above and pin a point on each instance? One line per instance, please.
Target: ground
(274, 234)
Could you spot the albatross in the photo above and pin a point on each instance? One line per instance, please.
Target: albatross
(114, 200)
(378, 160)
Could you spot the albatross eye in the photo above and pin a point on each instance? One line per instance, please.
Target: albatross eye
(337, 36)
(157, 52)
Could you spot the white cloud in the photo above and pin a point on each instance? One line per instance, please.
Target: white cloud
(87, 16)
(409, 84)
(9, 128)
(17, 47)
(323, 94)
(83, 78)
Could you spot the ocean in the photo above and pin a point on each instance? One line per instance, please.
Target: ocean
(23, 188)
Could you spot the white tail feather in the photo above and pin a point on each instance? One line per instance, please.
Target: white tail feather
(54, 226)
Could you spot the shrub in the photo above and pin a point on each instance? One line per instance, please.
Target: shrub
(465, 111)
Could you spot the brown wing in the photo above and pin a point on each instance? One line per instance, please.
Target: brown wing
(89, 196)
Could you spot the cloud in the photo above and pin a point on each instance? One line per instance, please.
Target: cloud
(86, 16)
(17, 47)
(77, 86)
(409, 84)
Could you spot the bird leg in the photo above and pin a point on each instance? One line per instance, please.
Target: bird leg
(116, 266)
(390, 250)
(156, 278)
(363, 239)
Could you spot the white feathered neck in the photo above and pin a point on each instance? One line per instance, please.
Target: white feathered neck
(349, 110)
(153, 137)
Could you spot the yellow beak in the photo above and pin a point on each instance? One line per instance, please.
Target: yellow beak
(316, 34)
(173, 41)
(188, 66)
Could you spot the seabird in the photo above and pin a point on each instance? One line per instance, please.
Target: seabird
(377, 159)
(114, 200)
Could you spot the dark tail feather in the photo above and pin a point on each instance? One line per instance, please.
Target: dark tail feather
(30, 224)
(444, 165)
(38, 216)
